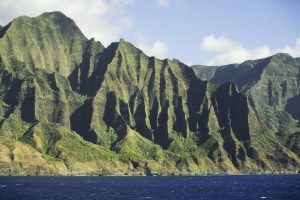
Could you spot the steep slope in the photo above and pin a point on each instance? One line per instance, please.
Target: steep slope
(38, 56)
(135, 114)
(271, 85)
(36, 62)
(51, 41)
(167, 104)
(219, 74)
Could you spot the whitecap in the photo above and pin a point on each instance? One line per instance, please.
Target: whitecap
(3, 186)
(266, 197)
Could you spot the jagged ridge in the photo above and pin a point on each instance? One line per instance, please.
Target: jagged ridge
(271, 85)
(155, 114)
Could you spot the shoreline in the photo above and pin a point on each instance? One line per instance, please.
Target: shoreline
(149, 175)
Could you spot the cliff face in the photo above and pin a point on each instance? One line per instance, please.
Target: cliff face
(271, 85)
(71, 106)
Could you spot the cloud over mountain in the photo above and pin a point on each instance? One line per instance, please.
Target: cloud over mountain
(229, 51)
(158, 48)
(101, 19)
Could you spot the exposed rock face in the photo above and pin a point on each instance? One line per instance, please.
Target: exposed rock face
(271, 85)
(80, 108)
(272, 88)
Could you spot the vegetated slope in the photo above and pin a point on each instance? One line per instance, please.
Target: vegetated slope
(271, 85)
(135, 114)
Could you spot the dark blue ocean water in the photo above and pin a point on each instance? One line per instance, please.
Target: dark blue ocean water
(173, 187)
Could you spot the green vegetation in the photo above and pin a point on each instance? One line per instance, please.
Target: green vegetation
(270, 84)
(50, 158)
(134, 147)
(7, 142)
(72, 101)
(181, 147)
(14, 127)
(56, 142)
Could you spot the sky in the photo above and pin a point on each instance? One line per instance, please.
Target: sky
(206, 32)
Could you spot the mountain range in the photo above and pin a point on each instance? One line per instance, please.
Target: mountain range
(69, 105)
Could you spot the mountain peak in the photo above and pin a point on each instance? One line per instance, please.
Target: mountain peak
(122, 40)
(127, 47)
(54, 13)
(52, 35)
(282, 56)
(44, 22)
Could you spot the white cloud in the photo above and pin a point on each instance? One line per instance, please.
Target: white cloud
(179, 4)
(163, 3)
(189, 63)
(212, 44)
(157, 49)
(229, 51)
(102, 19)
(295, 52)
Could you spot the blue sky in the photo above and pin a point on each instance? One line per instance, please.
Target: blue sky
(210, 32)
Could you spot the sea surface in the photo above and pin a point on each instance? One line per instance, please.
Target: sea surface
(158, 187)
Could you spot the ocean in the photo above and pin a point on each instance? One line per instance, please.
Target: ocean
(147, 187)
